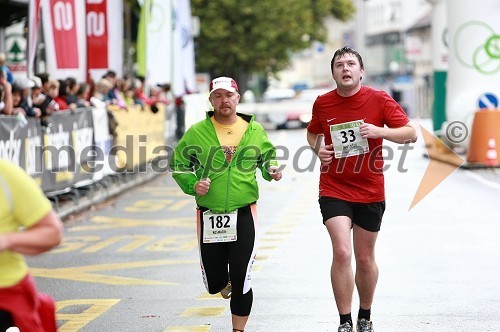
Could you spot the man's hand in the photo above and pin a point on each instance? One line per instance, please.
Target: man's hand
(367, 130)
(275, 172)
(325, 154)
(201, 187)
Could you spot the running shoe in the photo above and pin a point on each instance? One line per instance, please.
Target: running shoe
(226, 291)
(364, 325)
(346, 327)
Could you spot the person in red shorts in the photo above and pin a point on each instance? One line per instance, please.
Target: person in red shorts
(28, 226)
(353, 120)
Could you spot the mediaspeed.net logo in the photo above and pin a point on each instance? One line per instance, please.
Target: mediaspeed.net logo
(92, 159)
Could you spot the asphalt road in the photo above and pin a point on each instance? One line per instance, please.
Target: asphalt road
(131, 264)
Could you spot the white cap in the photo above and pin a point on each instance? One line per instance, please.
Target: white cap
(226, 83)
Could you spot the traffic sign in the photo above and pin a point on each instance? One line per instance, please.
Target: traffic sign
(488, 100)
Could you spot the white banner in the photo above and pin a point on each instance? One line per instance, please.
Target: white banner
(184, 65)
(159, 42)
(102, 139)
(440, 38)
(474, 58)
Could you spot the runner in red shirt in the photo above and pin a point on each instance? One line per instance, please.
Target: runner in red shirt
(352, 121)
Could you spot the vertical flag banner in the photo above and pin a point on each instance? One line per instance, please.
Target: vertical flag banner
(440, 42)
(104, 37)
(183, 65)
(474, 56)
(155, 41)
(142, 37)
(33, 25)
(159, 46)
(65, 40)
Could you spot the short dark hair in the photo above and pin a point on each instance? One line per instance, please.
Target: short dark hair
(45, 77)
(343, 51)
(109, 73)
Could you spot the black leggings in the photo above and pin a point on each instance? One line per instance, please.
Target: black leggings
(238, 255)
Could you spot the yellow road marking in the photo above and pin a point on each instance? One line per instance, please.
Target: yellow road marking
(74, 322)
(74, 243)
(203, 311)
(278, 232)
(137, 243)
(81, 273)
(155, 205)
(269, 239)
(200, 328)
(164, 192)
(175, 243)
(266, 248)
(112, 222)
(179, 205)
(208, 296)
(171, 243)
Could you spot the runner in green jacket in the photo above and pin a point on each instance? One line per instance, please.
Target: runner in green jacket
(216, 161)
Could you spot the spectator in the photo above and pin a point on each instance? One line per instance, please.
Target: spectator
(3, 67)
(45, 78)
(125, 91)
(110, 75)
(61, 97)
(5, 95)
(113, 97)
(140, 98)
(72, 87)
(102, 89)
(44, 103)
(25, 229)
(53, 93)
(81, 95)
(20, 103)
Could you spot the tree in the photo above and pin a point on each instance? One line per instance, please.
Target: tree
(241, 37)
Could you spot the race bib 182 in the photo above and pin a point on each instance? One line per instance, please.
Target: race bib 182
(219, 227)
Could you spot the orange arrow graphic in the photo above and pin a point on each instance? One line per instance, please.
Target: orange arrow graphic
(436, 171)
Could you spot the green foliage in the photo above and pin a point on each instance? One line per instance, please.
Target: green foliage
(240, 37)
(343, 9)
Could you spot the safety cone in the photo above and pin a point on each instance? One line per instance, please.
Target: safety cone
(491, 153)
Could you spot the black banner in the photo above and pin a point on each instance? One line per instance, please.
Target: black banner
(67, 144)
(21, 143)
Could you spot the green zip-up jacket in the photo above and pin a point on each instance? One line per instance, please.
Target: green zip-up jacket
(199, 155)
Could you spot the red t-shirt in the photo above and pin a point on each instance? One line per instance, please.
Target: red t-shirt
(355, 178)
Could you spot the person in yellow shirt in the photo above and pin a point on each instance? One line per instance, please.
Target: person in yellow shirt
(28, 226)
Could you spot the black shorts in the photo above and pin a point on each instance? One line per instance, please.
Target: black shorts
(366, 215)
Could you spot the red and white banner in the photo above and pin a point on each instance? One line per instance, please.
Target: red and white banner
(33, 24)
(104, 23)
(65, 40)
